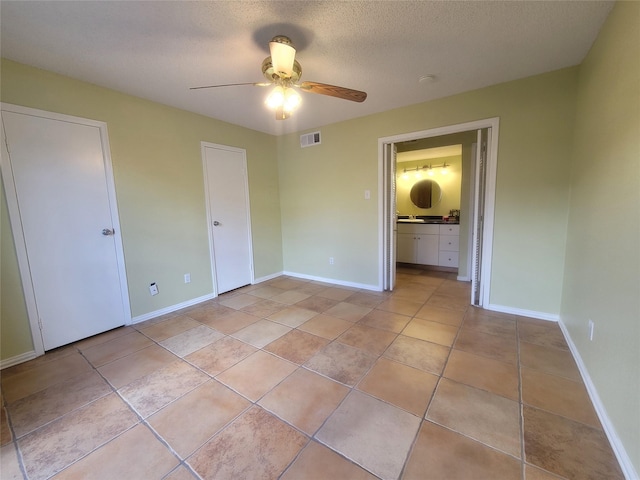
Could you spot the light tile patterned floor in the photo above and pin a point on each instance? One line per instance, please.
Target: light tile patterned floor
(296, 379)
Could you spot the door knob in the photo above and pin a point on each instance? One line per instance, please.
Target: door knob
(107, 231)
(216, 223)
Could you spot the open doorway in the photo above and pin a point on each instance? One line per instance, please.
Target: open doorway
(474, 223)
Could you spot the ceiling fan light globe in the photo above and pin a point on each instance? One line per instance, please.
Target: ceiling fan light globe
(275, 98)
(291, 99)
(282, 56)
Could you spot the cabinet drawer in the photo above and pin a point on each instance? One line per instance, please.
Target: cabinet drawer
(418, 228)
(449, 243)
(449, 229)
(448, 259)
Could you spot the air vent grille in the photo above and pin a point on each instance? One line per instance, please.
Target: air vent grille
(310, 139)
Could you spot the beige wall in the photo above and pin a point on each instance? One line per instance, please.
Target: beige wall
(324, 213)
(602, 269)
(157, 166)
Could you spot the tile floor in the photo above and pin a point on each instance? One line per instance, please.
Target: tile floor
(294, 379)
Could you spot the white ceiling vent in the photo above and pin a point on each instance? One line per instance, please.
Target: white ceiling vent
(310, 139)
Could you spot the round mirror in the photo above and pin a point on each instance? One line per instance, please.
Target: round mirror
(426, 194)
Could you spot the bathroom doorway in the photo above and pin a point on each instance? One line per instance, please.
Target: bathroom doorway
(477, 193)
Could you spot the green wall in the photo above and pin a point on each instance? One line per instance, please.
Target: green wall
(15, 333)
(324, 213)
(602, 269)
(157, 166)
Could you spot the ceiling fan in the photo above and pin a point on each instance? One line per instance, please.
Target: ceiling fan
(282, 70)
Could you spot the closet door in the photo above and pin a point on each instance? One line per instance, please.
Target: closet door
(58, 175)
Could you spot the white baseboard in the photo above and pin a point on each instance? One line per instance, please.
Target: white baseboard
(616, 444)
(172, 308)
(333, 281)
(552, 317)
(23, 357)
(268, 277)
(463, 279)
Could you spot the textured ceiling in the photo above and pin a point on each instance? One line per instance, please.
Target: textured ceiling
(157, 50)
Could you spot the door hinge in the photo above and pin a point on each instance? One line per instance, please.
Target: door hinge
(40, 323)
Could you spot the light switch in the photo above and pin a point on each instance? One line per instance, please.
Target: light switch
(367, 194)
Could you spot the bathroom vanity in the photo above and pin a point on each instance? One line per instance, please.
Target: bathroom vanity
(428, 243)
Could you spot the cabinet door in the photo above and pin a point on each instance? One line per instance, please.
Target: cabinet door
(427, 249)
(406, 248)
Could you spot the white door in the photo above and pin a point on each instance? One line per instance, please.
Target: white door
(58, 175)
(227, 193)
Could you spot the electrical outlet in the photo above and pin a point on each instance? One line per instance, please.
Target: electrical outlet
(591, 328)
(153, 289)
(187, 278)
(367, 194)
(330, 260)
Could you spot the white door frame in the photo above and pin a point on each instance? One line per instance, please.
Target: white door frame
(207, 194)
(16, 222)
(489, 211)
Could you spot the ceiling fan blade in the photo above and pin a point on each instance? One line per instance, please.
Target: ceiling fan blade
(260, 84)
(334, 91)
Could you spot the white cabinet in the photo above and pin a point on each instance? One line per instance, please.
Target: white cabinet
(418, 243)
(428, 244)
(449, 245)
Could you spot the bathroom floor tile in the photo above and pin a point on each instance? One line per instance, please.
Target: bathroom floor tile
(149, 394)
(137, 453)
(348, 311)
(483, 416)
(319, 462)
(400, 306)
(256, 445)
(491, 325)
(317, 304)
(290, 297)
(44, 406)
(441, 315)
(426, 356)
(365, 299)
(484, 373)
(239, 301)
(304, 399)
(555, 361)
(381, 446)
(191, 340)
(263, 308)
(297, 346)
(119, 347)
(41, 376)
(335, 293)
(169, 328)
(211, 406)
(540, 332)
(558, 395)
(10, 464)
(232, 322)
(261, 333)
(60, 443)
(567, 448)
(218, 356)
(325, 326)
(400, 385)
(496, 347)
(440, 453)
(392, 322)
(292, 316)
(431, 331)
(369, 339)
(136, 365)
(257, 374)
(342, 363)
